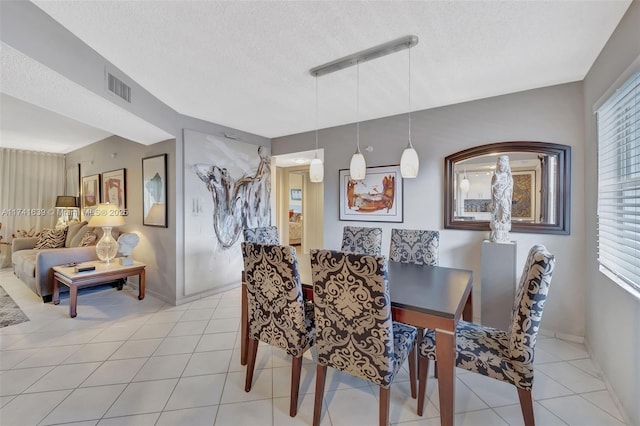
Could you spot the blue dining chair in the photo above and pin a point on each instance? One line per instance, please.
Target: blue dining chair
(414, 246)
(262, 235)
(503, 355)
(362, 240)
(354, 329)
(278, 315)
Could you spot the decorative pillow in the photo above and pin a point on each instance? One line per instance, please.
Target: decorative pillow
(51, 238)
(79, 235)
(89, 239)
(72, 231)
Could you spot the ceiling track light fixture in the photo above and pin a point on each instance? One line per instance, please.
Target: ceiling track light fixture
(409, 162)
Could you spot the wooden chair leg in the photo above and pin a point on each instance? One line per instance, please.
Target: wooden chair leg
(251, 363)
(435, 369)
(296, 369)
(385, 398)
(412, 370)
(321, 375)
(526, 405)
(423, 369)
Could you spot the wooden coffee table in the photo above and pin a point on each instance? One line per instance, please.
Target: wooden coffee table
(102, 274)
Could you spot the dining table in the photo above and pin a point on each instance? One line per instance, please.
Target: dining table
(425, 296)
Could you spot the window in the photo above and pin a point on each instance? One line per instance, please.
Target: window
(619, 184)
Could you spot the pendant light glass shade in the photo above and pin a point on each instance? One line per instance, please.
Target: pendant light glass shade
(464, 184)
(316, 168)
(358, 167)
(409, 162)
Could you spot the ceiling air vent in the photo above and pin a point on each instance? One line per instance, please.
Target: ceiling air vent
(118, 88)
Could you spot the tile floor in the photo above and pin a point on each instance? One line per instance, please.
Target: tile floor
(129, 362)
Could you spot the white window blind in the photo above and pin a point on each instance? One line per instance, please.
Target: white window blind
(619, 184)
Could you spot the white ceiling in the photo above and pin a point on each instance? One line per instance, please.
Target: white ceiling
(245, 64)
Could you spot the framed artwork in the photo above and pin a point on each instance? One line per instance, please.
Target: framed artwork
(523, 201)
(89, 195)
(296, 194)
(154, 191)
(114, 188)
(376, 198)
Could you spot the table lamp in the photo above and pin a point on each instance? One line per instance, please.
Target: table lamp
(65, 203)
(106, 216)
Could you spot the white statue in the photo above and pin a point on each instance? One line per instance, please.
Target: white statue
(127, 242)
(501, 195)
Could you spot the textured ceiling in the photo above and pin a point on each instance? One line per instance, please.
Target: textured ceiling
(245, 64)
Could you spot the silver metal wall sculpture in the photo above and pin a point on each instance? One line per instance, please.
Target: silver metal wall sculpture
(238, 203)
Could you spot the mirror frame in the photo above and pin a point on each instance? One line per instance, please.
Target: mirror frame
(562, 225)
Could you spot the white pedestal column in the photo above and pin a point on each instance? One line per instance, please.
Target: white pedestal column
(498, 283)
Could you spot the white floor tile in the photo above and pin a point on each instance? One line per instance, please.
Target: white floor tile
(250, 413)
(142, 397)
(197, 315)
(215, 342)
(51, 356)
(224, 325)
(13, 382)
(165, 316)
(465, 399)
(136, 349)
(64, 377)
(575, 410)
(544, 387)
(84, 404)
(349, 407)
(479, 418)
(213, 362)
(190, 416)
(587, 366)
(562, 349)
(4, 400)
(92, 352)
(162, 367)
(30, 409)
(9, 359)
(197, 391)
(189, 328)
(512, 414)
(153, 331)
(137, 420)
(494, 393)
(572, 377)
(234, 387)
(305, 412)
(117, 371)
(177, 345)
(282, 380)
(603, 400)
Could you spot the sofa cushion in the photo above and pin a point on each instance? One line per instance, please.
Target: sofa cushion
(80, 233)
(51, 238)
(89, 239)
(72, 231)
(25, 263)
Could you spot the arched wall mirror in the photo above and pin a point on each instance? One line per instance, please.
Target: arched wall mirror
(541, 192)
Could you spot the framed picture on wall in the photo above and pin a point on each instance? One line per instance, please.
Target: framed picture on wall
(114, 188)
(376, 198)
(154, 191)
(296, 194)
(89, 195)
(523, 205)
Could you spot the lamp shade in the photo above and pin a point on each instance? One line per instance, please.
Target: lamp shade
(409, 162)
(66, 201)
(106, 214)
(358, 167)
(316, 170)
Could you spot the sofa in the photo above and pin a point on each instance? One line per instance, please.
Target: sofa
(33, 266)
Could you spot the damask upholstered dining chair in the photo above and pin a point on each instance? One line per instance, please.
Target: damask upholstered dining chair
(362, 240)
(503, 355)
(262, 235)
(414, 246)
(355, 331)
(277, 313)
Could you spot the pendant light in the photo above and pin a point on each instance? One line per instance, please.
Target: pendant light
(464, 183)
(358, 167)
(409, 162)
(316, 168)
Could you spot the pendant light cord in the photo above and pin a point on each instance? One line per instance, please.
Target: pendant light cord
(316, 115)
(409, 50)
(358, 105)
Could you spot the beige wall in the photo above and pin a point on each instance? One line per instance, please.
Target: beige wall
(157, 247)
